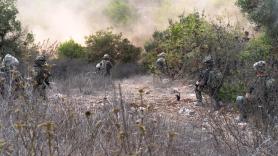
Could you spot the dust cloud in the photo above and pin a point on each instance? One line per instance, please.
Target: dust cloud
(64, 19)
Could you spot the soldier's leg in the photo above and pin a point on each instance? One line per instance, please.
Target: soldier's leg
(198, 94)
(43, 92)
(214, 95)
(240, 102)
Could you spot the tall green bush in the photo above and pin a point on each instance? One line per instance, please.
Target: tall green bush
(71, 49)
(189, 39)
(120, 49)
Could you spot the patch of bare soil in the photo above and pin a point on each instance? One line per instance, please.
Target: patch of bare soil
(158, 96)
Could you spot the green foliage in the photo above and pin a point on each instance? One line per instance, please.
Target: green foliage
(147, 61)
(229, 92)
(189, 39)
(12, 38)
(121, 12)
(257, 49)
(120, 49)
(264, 13)
(71, 49)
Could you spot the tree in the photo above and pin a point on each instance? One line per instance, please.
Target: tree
(263, 13)
(71, 49)
(12, 37)
(120, 49)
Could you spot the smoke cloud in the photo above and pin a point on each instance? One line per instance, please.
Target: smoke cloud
(64, 19)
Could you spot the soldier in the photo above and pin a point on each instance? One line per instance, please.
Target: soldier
(161, 64)
(40, 76)
(104, 67)
(261, 97)
(12, 83)
(209, 81)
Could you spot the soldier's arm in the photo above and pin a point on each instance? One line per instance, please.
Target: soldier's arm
(47, 75)
(200, 77)
(250, 89)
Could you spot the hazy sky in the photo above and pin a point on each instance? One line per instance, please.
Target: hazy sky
(59, 20)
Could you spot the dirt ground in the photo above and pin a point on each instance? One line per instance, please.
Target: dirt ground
(158, 96)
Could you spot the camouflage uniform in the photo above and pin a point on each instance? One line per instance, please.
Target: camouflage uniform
(12, 83)
(104, 67)
(161, 64)
(261, 97)
(210, 82)
(40, 76)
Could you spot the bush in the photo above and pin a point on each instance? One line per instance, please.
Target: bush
(13, 39)
(257, 49)
(263, 13)
(71, 49)
(106, 42)
(188, 40)
(229, 92)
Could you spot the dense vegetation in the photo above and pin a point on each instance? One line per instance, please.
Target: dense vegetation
(187, 41)
(70, 123)
(71, 49)
(120, 49)
(13, 38)
(263, 13)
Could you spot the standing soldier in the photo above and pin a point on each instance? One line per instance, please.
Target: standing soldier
(209, 81)
(161, 64)
(12, 83)
(104, 67)
(40, 76)
(260, 99)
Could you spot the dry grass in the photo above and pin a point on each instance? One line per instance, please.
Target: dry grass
(66, 126)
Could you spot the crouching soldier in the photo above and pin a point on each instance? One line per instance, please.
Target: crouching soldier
(210, 81)
(260, 101)
(40, 76)
(11, 81)
(104, 67)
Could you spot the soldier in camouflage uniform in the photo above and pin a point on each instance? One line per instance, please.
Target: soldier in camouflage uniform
(104, 67)
(161, 64)
(209, 82)
(40, 76)
(12, 83)
(260, 101)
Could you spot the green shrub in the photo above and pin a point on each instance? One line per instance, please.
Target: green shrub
(120, 49)
(257, 49)
(189, 39)
(263, 13)
(71, 49)
(13, 39)
(229, 92)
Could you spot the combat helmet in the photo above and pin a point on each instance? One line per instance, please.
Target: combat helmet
(260, 66)
(208, 60)
(10, 61)
(40, 60)
(162, 55)
(106, 56)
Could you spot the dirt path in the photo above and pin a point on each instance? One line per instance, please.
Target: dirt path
(158, 96)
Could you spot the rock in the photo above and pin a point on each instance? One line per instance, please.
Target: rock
(148, 92)
(188, 100)
(165, 81)
(186, 111)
